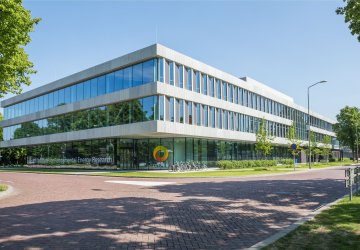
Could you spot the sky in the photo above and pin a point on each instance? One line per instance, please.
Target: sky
(287, 45)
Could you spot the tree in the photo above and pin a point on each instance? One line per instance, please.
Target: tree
(15, 25)
(347, 127)
(326, 149)
(293, 139)
(351, 12)
(263, 140)
(314, 146)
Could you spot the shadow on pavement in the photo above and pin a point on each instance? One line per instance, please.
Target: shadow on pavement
(203, 215)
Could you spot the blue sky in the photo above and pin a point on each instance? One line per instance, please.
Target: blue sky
(284, 44)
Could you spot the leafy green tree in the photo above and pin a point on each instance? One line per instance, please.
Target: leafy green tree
(326, 149)
(314, 146)
(351, 12)
(263, 140)
(293, 138)
(15, 25)
(347, 128)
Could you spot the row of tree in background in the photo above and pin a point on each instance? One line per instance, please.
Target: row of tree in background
(264, 143)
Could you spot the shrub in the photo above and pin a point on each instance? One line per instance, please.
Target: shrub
(227, 164)
(332, 160)
(288, 162)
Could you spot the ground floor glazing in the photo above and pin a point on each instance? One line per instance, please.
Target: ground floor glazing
(142, 153)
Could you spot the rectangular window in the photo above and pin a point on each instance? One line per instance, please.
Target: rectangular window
(181, 76)
(181, 111)
(197, 77)
(56, 99)
(231, 92)
(80, 91)
(189, 79)
(205, 85)
(161, 107)
(205, 115)
(148, 108)
(50, 101)
(189, 111)
(41, 104)
(36, 106)
(46, 103)
(236, 95)
(61, 97)
(251, 100)
(212, 117)
(218, 83)
(148, 71)
(219, 118)
(161, 70)
(118, 80)
(110, 82)
(172, 68)
(127, 78)
(212, 87)
(236, 120)
(198, 114)
(94, 88)
(137, 75)
(224, 91)
(87, 90)
(231, 120)
(171, 109)
(226, 119)
(101, 85)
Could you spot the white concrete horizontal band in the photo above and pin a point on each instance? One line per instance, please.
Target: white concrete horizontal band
(150, 129)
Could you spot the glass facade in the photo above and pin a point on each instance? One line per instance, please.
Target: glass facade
(139, 110)
(138, 153)
(163, 71)
(132, 76)
(208, 85)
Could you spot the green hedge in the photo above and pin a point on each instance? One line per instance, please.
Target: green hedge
(226, 164)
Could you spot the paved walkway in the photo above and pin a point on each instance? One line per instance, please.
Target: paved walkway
(88, 212)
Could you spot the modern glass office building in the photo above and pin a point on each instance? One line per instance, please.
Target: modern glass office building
(148, 109)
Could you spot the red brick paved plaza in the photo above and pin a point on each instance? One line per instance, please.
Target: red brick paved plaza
(48, 211)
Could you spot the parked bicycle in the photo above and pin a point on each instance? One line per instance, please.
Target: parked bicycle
(180, 166)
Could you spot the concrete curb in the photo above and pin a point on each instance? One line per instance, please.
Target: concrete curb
(6, 193)
(293, 226)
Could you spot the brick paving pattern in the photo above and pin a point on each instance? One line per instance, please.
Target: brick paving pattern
(83, 212)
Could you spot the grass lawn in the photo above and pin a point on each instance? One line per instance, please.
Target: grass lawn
(215, 173)
(326, 165)
(335, 228)
(156, 174)
(3, 187)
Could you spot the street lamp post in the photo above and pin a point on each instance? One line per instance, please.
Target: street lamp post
(308, 118)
